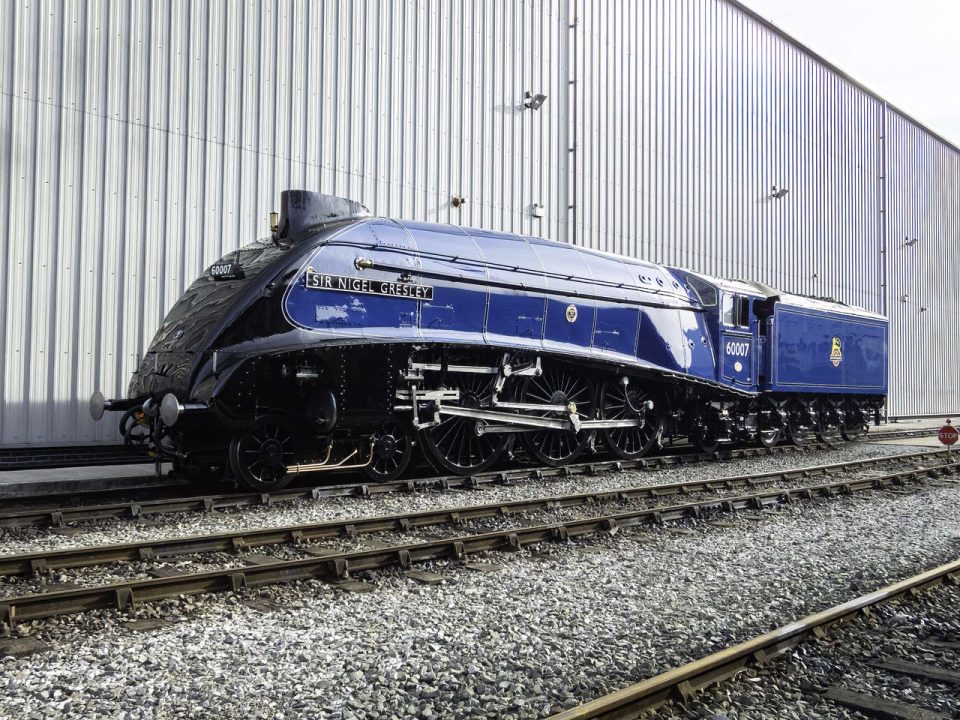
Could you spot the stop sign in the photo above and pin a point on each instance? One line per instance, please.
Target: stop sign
(948, 435)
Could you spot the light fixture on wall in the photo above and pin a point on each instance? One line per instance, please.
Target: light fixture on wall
(458, 201)
(923, 308)
(905, 297)
(780, 193)
(533, 102)
(537, 210)
(911, 243)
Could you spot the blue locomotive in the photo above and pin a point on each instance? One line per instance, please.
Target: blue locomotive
(345, 341)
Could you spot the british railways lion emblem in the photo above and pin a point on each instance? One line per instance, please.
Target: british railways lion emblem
(836, 352)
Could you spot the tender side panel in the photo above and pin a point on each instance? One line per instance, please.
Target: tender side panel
(814, 351)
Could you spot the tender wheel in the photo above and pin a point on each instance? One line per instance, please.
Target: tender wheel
(259, 457)
(854, 427)
(770, 437)
(454, 444)
(630, 402)
(558, 385)
(392, 450)
(799, 431)
(771, 430)
(829, 424)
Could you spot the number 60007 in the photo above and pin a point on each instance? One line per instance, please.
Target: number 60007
(738, 349)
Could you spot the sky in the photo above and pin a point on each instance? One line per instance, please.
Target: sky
(906, 52)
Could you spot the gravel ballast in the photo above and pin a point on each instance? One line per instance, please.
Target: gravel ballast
(110, 531)
(923, 629)
(554, 626)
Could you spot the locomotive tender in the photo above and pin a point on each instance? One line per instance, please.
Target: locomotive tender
(344, 341)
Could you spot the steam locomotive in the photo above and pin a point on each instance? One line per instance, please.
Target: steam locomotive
(348, 341)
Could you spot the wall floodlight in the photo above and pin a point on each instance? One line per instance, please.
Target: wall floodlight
(533, 102)
(458, 201)
(779, 194)
(911, 243)
(905, 297)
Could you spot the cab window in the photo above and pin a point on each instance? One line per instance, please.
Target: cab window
(736, 311)
(705, 292)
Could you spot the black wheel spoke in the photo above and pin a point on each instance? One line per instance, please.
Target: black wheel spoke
(454, 444)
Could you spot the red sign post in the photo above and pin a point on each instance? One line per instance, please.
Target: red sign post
(948, 435)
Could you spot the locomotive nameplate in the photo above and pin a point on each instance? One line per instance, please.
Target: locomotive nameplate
(341, 283)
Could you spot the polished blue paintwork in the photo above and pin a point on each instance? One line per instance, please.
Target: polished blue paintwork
(801, 347)
(626, 311)
(510, 291)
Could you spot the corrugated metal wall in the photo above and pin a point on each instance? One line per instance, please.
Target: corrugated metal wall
(923, 253)
(141, 140)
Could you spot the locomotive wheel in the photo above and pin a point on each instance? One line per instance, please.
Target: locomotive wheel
(558, 386)
(853, 428)
(853, 431)
(769, 433)
(797, 433)
(392, 450)
(829, 427)
(259, 457)
(769, 437)
(454, 444)
(706, 442)
(626, 402)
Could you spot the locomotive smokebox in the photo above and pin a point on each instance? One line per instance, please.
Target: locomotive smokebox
(303, 209)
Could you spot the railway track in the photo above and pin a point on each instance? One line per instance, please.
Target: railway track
(157, 502)
(901, 434)
(32, 563)
(56, 516)
(686, 681)
(338, 565)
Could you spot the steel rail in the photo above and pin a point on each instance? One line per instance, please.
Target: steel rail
(897, 434)
(43, 561)
(683, 682)
(58, 516)
(128, 594)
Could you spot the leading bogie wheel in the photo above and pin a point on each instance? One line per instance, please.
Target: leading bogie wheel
(559, 385)
(626, 401)
(454, 444)
(260, 456)
(392, 450)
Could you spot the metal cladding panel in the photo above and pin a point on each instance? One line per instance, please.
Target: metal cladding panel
(688, 114)
(141, 141)
(923, 253)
